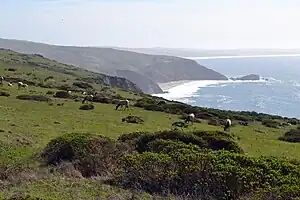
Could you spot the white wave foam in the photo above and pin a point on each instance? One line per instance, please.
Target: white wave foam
(190, 89)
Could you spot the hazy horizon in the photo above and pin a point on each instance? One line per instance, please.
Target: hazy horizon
(189, 24)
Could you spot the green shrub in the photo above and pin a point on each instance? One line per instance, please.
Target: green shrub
(211, 175)
(50, 92)
(203, 139)
(271, 123)
(23, 197)
(83, 85)
(102, 99)
(170, 146)
(213, 122)
(62, 94)
(34, 98)
(87, 107)
(293, 121)
(90, 154)
(292, 135)
(143, 102)
(154, 107)
(133, 119)
(4, 94)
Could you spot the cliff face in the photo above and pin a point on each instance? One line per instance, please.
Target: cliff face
(147, 85)
(142, 69)
(38, 61)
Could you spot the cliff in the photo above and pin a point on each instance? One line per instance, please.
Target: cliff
(151, 69)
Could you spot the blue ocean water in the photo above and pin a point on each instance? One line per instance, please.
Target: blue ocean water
(279, 95)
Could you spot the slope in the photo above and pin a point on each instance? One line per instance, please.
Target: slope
(43, 67)
(108, 60)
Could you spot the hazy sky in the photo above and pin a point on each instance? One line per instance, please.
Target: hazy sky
(154, 23)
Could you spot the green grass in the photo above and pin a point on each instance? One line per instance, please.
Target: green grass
(37, 123)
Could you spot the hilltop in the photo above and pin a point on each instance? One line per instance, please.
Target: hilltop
(151, 69)
(52, 148)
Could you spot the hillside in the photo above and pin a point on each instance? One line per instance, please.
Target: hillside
(43, 67)
(157, 68)
(51, 148)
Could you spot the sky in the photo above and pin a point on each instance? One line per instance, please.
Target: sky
(202, 24)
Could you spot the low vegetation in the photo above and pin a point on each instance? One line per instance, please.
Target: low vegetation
(292, 135)
(34, 98)
(87, 107)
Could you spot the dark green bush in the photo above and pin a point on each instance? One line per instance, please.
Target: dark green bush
(207, 140)
(50, 92)
(4, 94)
(143, 102)
(83, 85)
(211, 175)
(292, 135)
(170, 146)
(62, 94)
(133, 119)
(90, 154)
(213, 122)
(271, 123)
(34, 98)
(293, 121)
(23, 197)
(102, 99)
(87, 107)
(285, 192)
(154, 107)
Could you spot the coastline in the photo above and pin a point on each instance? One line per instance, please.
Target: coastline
(172, 84)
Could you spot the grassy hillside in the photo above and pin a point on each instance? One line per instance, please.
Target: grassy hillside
(96, 158)
(154, 68)
(37, 70)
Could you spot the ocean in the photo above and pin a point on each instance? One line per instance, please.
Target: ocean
(279, 95)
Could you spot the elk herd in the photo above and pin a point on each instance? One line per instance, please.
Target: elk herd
(190, 118)
(20, 84)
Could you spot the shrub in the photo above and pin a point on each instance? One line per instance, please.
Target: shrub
(213, 122)
(11, 69)
(34, 98)
(133, 119)
(90, 154)
(211, 175)
(293, 121)
(83, 85)
(292, 135)
(87, 107)
(271, 123)
(62, 94)
(102, 99)
(144, 102)
(4, 94)
(50, 92)
(170, 146)
(208, 140)
(154, 107)
(23, 197)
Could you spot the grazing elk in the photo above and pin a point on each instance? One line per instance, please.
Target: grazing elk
(227, 124)
(123, 103)
(190, 118)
